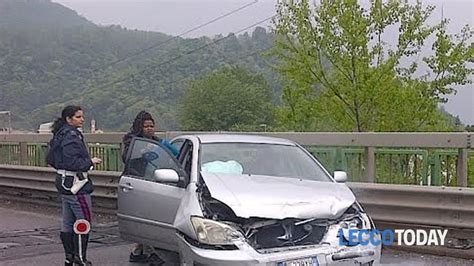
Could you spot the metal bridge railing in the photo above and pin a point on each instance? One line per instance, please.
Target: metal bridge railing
(393, 158)
(10, 153)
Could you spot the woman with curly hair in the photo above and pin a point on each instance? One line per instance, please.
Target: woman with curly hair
(143, 127)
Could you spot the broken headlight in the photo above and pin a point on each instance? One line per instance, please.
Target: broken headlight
(360, 221)
(211, 232)
(356, 222)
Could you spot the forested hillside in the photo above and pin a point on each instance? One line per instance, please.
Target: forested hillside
(57, 57)
(50, 57)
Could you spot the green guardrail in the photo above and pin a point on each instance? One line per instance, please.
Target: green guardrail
(36, 155)
(402, 166)
(397, 166)
(443, 168)
(9, 153)
(393, 166)
(110, 155)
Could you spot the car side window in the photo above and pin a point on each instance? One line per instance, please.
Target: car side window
(186, 156)
(147, 156)
(178, 143)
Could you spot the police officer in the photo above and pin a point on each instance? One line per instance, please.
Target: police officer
(68, 154)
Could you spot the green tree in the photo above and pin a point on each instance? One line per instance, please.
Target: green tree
(56, 58)
(343, 74)
(230, 98)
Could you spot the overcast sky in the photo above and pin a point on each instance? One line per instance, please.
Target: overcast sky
(177, 16)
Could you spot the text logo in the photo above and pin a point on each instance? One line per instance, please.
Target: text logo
(409, 237)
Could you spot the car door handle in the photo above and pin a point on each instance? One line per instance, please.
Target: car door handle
(126, 186)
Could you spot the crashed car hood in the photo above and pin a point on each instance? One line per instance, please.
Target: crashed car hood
(279, 197)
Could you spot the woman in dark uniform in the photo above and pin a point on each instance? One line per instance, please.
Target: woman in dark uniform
(68, 154)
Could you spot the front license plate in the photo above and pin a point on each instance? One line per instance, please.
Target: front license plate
(300, 262)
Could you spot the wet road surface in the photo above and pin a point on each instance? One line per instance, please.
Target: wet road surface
(30, 236)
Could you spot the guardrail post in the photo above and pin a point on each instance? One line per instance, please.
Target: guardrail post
(370, 164)
(461, 167)
(23, 153)
(339, 158)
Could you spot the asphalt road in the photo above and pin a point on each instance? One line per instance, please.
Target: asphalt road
(29, 236)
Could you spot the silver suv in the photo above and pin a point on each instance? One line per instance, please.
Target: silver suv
(239, 200)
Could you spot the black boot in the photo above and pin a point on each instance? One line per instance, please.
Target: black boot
(68, 244)
(80, 258)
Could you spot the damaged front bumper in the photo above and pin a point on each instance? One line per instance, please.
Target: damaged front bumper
(244, 254)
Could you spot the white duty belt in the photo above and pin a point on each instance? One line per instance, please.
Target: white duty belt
(70, 173)
(77, 184)
(66, 173)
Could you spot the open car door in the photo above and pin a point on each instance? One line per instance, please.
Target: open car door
(147, 207)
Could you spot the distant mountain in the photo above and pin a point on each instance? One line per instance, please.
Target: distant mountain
(41, 13)
(50, 56)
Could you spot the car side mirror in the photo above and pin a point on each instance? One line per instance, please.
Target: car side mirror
(166, 176)
(340, 176)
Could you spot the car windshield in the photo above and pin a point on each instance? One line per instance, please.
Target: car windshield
(260, 159)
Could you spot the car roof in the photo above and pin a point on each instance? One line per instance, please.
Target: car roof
(242, 138)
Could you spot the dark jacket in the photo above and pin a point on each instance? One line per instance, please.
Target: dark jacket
(69, 152)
